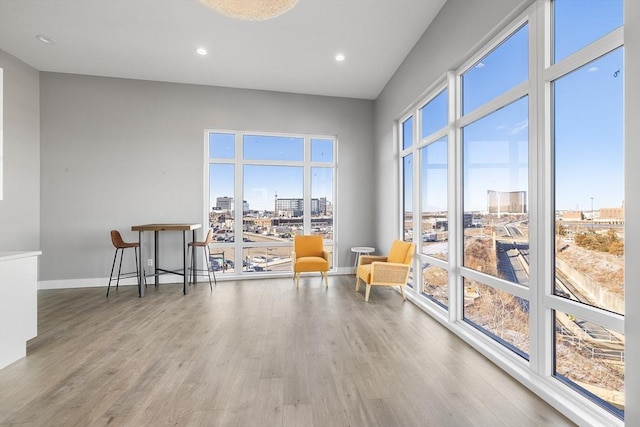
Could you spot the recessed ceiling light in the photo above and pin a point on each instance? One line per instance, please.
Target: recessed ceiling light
(339, 57)
(201, 51)
(44, 39)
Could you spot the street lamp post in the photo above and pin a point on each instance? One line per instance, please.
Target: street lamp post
(592, 214)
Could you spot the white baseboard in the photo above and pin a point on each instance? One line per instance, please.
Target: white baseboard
(98, 282)
(132, 281)
(83, 283)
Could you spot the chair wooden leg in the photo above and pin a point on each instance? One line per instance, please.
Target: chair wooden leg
(357, 283)
(297, 280)
(326, 280)
(402, 292)
(366, 292)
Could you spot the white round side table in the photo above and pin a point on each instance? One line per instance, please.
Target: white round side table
(359, 251)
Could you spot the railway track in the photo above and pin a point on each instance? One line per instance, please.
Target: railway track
(591, 338)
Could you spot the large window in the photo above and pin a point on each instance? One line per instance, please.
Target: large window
(588, 212)
(322, 187)
(434, 212)
(589, 190)
(433, 170)
(502, 69)
(407, 180)
(267, 188)
(519, 212)
(407, 197)
(495, 185)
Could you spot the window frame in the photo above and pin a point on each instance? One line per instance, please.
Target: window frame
(443, 132)
(238, 245)
(540, 293)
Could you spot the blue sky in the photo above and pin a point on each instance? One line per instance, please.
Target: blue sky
(589, 139)
(587, 115)
(263, 182)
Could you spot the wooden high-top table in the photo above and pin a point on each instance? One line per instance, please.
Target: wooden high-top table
(157, 270)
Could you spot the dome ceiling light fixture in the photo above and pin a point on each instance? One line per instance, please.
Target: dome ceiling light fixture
(250, 10)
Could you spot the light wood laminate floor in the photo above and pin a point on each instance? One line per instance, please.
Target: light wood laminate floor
(254, 353)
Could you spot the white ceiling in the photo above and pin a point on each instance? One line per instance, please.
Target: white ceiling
(156, 40)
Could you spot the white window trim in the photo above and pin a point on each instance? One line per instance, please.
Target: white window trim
(238, 162)
(537, 373)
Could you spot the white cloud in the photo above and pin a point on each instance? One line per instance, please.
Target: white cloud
(519, 127)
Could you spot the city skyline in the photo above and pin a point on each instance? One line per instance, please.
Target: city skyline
(318, 205)
(263, 183)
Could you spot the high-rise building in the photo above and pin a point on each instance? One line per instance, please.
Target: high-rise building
(506, 202)
(295, 207)
(224, 202)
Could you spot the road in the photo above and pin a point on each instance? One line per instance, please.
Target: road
(513, 264)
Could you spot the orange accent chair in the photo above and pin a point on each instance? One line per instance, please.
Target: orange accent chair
(390, 270)
(309, 255)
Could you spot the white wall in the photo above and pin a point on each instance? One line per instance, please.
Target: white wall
(20, 207)
(119, 152)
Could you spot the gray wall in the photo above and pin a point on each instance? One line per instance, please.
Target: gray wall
(20, 207)
(119, 152)
(457, 29)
